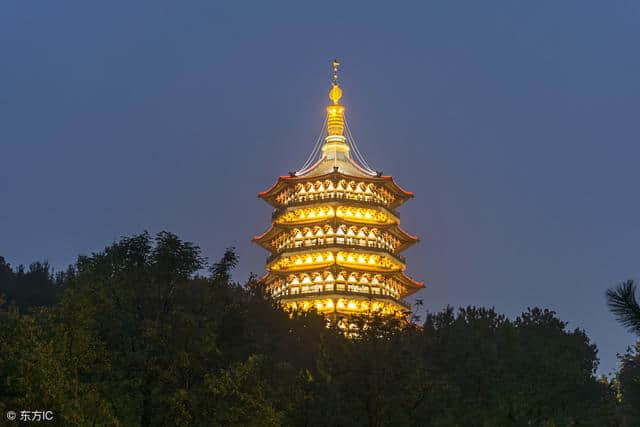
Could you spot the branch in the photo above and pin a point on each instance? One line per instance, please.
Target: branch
(622, 302)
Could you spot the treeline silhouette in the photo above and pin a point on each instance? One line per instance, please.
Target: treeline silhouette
(145, 333)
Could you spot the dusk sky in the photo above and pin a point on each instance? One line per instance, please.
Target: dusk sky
(514, 123)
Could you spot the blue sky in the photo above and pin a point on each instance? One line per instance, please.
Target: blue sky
(515, 124)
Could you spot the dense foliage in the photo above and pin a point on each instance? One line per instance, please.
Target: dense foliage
(34, 287)
(140, 335)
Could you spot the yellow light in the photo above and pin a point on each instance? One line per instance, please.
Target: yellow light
(335, 94)
(329, 304)
(309, 214)
(352, 305)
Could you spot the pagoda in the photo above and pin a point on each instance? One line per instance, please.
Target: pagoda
(335, 238)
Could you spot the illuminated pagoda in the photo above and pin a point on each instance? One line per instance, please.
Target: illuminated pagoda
(335, 238)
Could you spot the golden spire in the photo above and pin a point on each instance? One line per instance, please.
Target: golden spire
(336, 93)
(335, 141)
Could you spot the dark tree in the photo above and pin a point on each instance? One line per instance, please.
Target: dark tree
(145, 334)
(628, 378)
(35, 287)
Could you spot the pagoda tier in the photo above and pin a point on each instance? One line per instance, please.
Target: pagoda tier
(333, 231)
(335, 185)
(335, 239)
(343, 290)
(338, 278)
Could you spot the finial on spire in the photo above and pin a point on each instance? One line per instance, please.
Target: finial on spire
(336, 93)
(335, 143)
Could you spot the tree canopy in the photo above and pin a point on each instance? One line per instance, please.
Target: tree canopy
(146, 333)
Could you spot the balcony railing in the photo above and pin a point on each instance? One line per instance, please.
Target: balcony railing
(321, 294)
(351, 202)
(334, 244)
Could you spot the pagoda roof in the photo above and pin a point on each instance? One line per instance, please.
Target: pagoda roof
(285, 181)
(275, 229)
(412, 285)
(324, 165)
